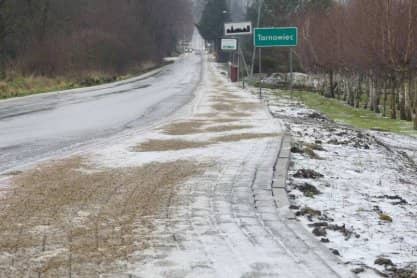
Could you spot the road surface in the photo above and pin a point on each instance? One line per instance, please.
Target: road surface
(36, 127)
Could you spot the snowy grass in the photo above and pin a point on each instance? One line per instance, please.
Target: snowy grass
(368, 192)
(342, 113)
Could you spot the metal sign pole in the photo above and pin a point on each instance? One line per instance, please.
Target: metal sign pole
(260, 73)
(291, 72)
(229, 65)
(277, 37)
(238, 65)
(260, 60)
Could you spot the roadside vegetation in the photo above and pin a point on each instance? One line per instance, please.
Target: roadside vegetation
(365, 50)
(346, 114)
(20, 85)
(50, 45)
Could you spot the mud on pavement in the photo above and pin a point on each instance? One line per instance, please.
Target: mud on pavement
(67, 218)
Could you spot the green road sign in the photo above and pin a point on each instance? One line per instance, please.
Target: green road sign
(276, 37)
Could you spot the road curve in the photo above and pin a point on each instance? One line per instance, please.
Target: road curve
(36, 127)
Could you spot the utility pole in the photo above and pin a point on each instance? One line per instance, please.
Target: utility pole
(260, 4)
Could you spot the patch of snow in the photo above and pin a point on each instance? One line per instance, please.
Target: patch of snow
(362, 179)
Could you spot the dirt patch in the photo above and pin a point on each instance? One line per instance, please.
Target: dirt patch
(223, 107)
(223, 128)
(225, 120)
(230, 96)
(224, 98)
(247, 106)
(184, 128)
(239, 114)
(193, 127)
(220, 98)
(208, 115)
(233, 106)
(244, 136)
(168, 145)
(65, 219)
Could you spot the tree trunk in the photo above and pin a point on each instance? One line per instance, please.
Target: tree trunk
(415, 114)
(407, 99)
(2, 50)
(376, 100)
(349, 93)
(385, 98)
(393, 101)
(331, 84)
(371, 94)
(358, 93)
(401, 100)
(414, 95)
(414, 90)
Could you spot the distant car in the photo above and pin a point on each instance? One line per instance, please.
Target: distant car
(188, 50)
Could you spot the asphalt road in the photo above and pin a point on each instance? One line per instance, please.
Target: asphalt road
(37, 127)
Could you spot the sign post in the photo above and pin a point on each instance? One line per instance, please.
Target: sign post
(231, 46)
(236, 29)
(278, 37)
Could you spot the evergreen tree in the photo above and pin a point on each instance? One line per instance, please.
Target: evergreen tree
(215, 14)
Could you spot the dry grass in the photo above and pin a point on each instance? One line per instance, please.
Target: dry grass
(61, 220)
(243, 136)
(169, 145)
(20, 86)
(223, 128)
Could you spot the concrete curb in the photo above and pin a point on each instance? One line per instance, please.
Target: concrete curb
(279, 180)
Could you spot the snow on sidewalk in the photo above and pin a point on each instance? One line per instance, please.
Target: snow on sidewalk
(355, 190)
(191, 197)
(219, 224)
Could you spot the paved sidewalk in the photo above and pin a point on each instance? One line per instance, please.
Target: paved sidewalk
(233, 221)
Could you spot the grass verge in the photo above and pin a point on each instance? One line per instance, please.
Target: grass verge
(356, 117)
(19, 86)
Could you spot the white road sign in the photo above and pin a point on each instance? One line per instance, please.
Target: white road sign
(229, 44)
(238, 28)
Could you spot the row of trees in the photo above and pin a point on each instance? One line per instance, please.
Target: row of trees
(368, 48)
(56, 37)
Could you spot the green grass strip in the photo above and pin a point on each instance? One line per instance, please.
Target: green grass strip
(345, 114)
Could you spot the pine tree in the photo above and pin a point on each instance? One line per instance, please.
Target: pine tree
(215, 14)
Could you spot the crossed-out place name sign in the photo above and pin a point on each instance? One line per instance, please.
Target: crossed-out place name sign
(238, 28)
(276, 37)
